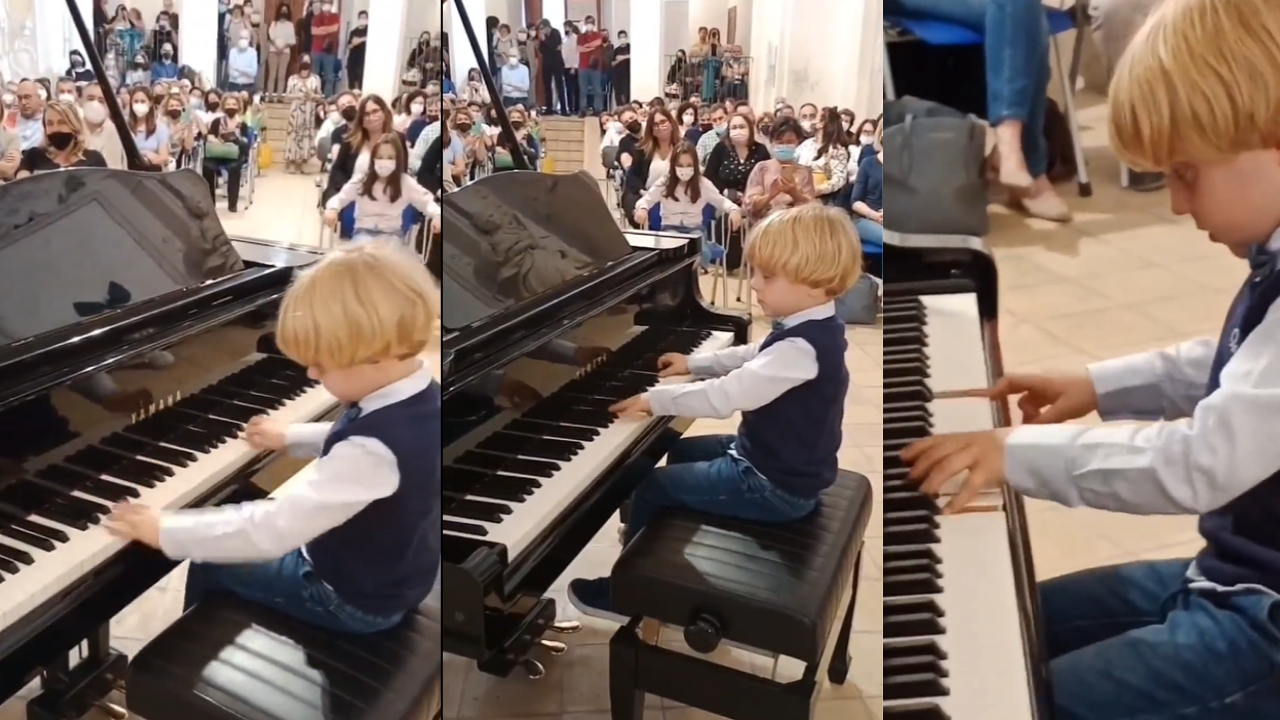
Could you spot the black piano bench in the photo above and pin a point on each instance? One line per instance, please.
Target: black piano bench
(226, 659)
(775, 589)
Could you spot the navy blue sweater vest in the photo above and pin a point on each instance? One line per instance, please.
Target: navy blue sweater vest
(384, 560)
(793, 440)
(1243, 536)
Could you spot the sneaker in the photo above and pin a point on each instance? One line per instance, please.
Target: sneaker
(591, 597)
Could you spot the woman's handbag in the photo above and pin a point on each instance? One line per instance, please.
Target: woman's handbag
(933, 173)
(221, 151)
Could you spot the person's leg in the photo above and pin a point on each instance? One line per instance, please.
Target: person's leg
(288, 585)
(869, 231)
(1093, 605)
(210, 173)
(584, 92)
(1214, 656)
(233, 185)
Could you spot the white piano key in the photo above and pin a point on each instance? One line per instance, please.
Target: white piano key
(532, 517)
(957, 354)
(54, 571)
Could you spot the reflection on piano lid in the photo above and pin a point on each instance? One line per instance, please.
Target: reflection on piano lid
(512, 237)
(961, 260)
(76, 244)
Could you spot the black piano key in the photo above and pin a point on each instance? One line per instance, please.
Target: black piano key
(475, 509)
(220, 428)
(915, 711)
(41, 529)
(911, 687)
(26, 497)
(525, 446)
(464, 528)
(911, 567)
(908, 430)
(912, 584)
(119, 465)
(895, 502)
(262, 402)
(913, 648)
(9, 567)
(506, 464)
(138, 447)
(214, 407)
(537, 428)
(68, 478)
(915, 394)
(911, 535)
(907, 518)
(921, 664)
(913, 605)
(912, 625)
(472, 483)
(187, 438)
(93, 508)
(16, 555)
(35, 541)
(586, 418)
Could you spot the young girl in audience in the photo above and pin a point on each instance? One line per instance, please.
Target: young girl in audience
(682, 196)
(382, 195)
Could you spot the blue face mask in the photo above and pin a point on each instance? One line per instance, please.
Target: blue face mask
(722, 130)
(784, 153)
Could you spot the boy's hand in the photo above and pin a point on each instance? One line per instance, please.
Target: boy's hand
(137, 523)
(936, 460)
(1047, 399)
(672, 364)
(633, 407)
(263, 433)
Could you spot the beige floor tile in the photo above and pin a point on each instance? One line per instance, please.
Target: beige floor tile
(1099, 329)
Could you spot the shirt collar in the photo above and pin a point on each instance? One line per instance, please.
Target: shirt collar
(400, 390)
(820, 312)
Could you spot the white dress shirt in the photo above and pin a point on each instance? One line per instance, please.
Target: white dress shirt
(743, 377)
(354, 473)
(680, 211)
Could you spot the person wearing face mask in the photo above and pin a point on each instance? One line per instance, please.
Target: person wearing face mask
(242, 65)
(629, 142)
(281, 39)
(733, 159)
(357, 44)
(808, 118)
(866, 202)
(826, 154)
(181, 130)
(550, 54)
(166, 68)
(334, 130)
(139, 72)
(164, 35)
(572, 61)
(304, 95)
(504, 43)
(513, 82)
(63, 145)
(225, 149)
(65, 90)
(79, 70)
(151, 135)
(681, 198)
(382, 196)
(590, 66)
(690, 131)
(847, 121)
(324, 45)
(373, 120)
(621, 70)
(475, 91)
(780, 182)
(416, 104)
(100, 134)
(652, 158)
(708, 141)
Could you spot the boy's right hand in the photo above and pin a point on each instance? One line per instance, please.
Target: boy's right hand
(672, 364)
(263, 433)
(1047, 399)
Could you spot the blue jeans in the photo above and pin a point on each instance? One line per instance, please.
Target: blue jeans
(326, 66)
(701, 474)
(711, 252)
(870, 232)
(288, 585)
(1133, 642)
(591, 88)
(1017, 51)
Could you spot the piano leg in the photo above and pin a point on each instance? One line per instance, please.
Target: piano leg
(626, 701)
(69, 693)
(838, 670)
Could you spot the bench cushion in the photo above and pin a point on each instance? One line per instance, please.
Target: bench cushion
(231, 660)
(772, 587)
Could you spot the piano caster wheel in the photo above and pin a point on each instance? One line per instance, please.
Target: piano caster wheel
(568, 627)
(554, 647)
(115, 712)
(533, 669)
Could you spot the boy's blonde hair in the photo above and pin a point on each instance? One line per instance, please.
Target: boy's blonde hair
(811, 245)
(362, 303)
(1200, 81)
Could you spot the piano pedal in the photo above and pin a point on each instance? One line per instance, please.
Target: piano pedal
(533, 669)
(115, 712)
(554, 647)
(567, 627)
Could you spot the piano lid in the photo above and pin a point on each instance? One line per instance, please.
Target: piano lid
(515, 236)
(78, 243)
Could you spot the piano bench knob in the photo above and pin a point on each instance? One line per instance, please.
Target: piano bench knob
(703, 634)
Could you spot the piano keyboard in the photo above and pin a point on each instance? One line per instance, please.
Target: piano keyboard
(953, 647)
(50, 519)
(509, 479)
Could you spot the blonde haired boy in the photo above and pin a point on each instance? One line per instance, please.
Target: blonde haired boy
(790, 389)
(354, 545)
(1197, 96)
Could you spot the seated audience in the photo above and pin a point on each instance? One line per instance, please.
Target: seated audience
(63, 145)
(226, 150)
(780, 182)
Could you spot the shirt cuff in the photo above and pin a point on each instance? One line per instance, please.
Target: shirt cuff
(702, 365)
(179, 534)
(1037, 462)
(660, 402)
(303, 439)
(1120, 384)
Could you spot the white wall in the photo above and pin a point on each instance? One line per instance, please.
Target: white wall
(745, 8)
(674, 34)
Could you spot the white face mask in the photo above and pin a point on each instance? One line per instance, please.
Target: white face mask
(326, 8)
(243, 43)
(140, 109)
(589, 27)
(684, 173)
(738, 134)
(867, 139)
(95, 112)
(807, 125)
(44, 94)
(255, 18)
(417, 109)
(513, 61)
(384, 168)
(846, 125)
(689, 119)
(67, 97)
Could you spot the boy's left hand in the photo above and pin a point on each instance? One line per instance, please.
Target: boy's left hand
(138, 523)
(633, 407)
(936, 460)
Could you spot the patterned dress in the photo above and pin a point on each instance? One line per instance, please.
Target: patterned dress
(300, 139)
